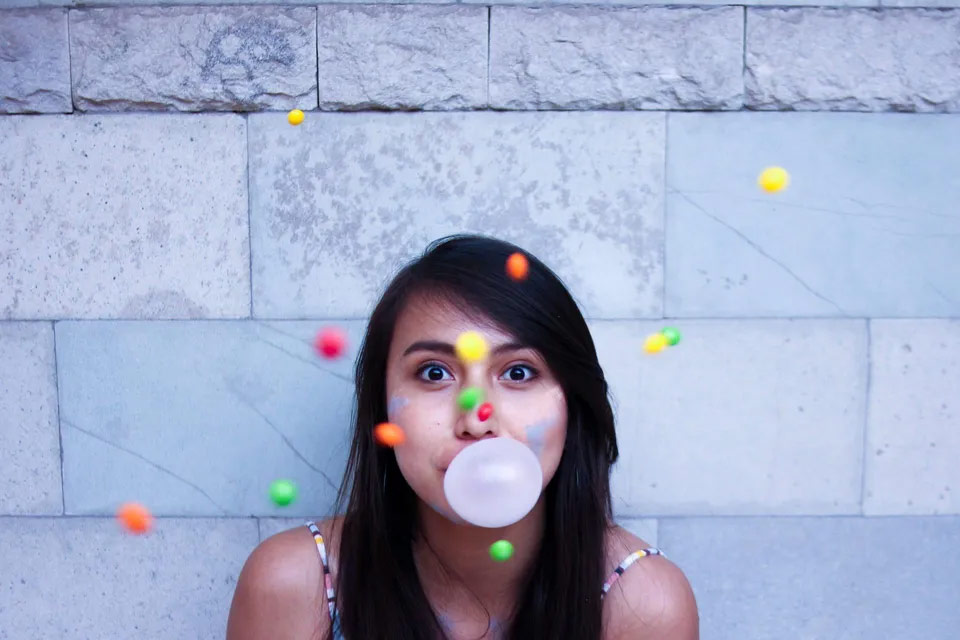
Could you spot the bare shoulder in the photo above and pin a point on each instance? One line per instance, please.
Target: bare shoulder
(280, 590)
(651, 600)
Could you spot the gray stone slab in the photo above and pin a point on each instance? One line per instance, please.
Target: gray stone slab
(868, 226)
(604, 58)
(913, 438)
(920, 3)
(29, 432)
(602, 3)
(383, 56)
(81, 578)
(34, 62)
(740, 418)
(339, 203)
(199, 418)
(230, 58)
(645, 528)
(273, 526)
(814, 578)
(123, 216)
(853, 59)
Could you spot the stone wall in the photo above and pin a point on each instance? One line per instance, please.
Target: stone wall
(169, 245)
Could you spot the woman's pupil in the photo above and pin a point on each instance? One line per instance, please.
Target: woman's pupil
(435, 373)
(516, 373)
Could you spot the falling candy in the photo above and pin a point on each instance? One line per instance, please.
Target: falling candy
(330, 343)
(655, 343)
(295, 117)
(501, 550)
(471, 347)
(672, 335)
(773, 179)
(518, 266)
(389, 434)
(469, 398)
(283, 492)
(135, 517)
(484, 411)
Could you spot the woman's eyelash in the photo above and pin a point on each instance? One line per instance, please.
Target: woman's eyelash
(533, 371)
(430, 365)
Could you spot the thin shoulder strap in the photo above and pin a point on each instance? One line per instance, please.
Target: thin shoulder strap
(629, 560)
(327, 578)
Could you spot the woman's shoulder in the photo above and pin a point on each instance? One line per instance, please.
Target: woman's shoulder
(280, 589)
(651, 599)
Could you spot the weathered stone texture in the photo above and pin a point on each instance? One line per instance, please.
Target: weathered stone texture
(605, 58)
(402, 57)
(34, 62)
(853, 59)
(194, 58)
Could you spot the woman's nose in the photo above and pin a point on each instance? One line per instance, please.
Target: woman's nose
(471, 426)
(472, 423)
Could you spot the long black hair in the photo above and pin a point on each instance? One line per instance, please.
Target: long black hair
(379, 595)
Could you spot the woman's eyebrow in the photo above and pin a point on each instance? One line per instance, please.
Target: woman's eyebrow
(447, 348)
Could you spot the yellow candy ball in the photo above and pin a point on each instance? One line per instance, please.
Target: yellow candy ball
(773, 179)
(655, 343)
(295, 117)
(471, 346)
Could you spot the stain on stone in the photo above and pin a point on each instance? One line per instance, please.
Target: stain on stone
(247, 46)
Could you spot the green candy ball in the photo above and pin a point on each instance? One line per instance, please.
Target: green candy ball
(672, 335)
(283, 492)
(501, 550)
(469, 398)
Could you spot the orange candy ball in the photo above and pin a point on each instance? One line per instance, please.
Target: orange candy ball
(135, 518)
(389, 434)
(518, 266)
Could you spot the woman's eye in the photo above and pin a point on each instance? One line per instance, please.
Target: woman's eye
(520, 373)
(433, 373)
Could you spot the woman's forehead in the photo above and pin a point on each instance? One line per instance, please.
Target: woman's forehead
(439, 319)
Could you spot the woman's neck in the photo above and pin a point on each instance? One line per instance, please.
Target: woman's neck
(456, 570)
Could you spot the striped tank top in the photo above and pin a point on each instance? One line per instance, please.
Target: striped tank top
(331, 593)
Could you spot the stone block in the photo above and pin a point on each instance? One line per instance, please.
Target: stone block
(230, 58)
(79, 578)
(746, 417)
(340, 203)
(644, 528)
(199, 418)
(34, 62)
(387, 56)
(813, 578)
(867, 226)
(584, 58)
(29, 432)
(818, 59)
(913, 435)
(126, 216)
(273, 526)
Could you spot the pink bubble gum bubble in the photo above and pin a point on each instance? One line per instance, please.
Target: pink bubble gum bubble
(494, 482)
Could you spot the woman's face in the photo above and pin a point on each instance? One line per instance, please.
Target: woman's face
(424, 377)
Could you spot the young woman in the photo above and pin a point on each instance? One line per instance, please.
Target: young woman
(399, 564)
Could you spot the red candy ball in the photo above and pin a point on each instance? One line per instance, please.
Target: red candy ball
(330, 343)
(485, 411)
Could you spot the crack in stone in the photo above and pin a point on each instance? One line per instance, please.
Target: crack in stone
(148, 461)
(756, 247)
(312, 363)
(246, 402)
